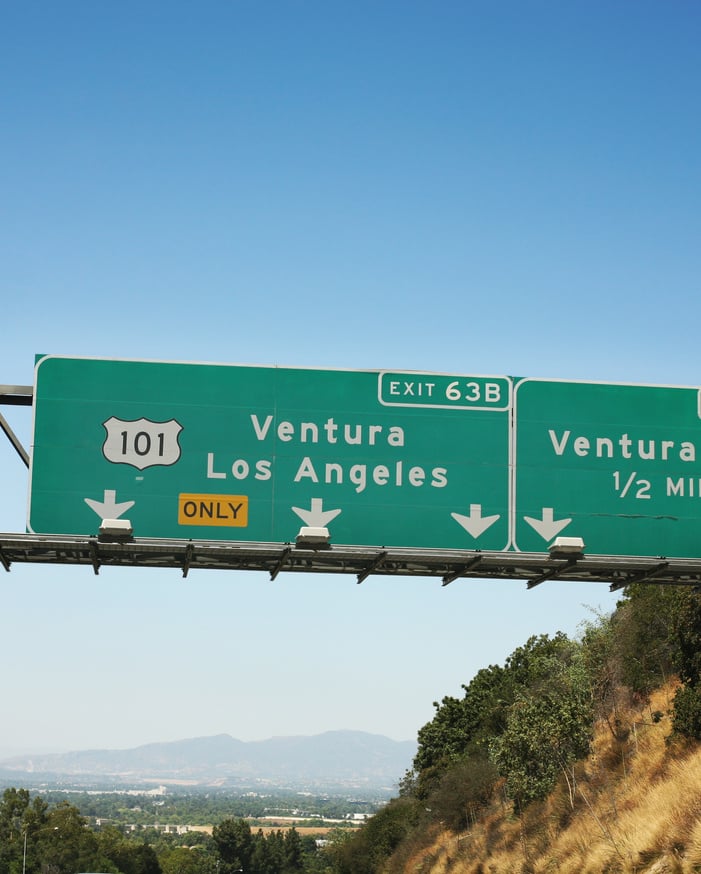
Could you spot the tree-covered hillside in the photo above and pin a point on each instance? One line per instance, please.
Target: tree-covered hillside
(519, 731)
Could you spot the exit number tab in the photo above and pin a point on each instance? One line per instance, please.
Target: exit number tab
(443, 391)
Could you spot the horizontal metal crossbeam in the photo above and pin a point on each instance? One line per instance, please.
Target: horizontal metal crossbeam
(16, 395)
(274, 558)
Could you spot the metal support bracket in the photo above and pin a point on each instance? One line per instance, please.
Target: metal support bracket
(189, 552)
(17, 396)
(94, 556)
(451, 577)
(553, 573)
(281, 563)
(364, 574)
(642, 577)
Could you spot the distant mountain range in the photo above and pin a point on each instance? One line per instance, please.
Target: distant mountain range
(333, 759)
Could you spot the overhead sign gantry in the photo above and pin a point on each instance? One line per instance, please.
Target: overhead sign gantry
(439, 474)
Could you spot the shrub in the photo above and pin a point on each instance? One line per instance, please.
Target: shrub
(463, 792)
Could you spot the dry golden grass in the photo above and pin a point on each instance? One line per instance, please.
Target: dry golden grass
(282, 826)
(636, 809)
(300, 829)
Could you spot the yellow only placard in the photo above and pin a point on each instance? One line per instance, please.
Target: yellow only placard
(229, 510)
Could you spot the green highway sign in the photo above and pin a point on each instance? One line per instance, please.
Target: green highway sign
(239, 453)
(617, 465)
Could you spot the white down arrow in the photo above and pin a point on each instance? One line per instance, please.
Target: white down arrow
(316, 516)
(475, 524)
(548, 527)
(108, 508)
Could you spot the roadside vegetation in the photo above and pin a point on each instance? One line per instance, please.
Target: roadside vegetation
(574, 756)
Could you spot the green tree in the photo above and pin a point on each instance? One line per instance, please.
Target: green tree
(463, 793)
(293, 853)
(63, 844)
(367, 850)
(316, 860)
(34, 838)
(460, 728)
(687, 634)
(234, 843)
(644, 628)
(15, 827)
(549, 724)
(182, 860)
(139, 858)
(687, 701)
(603, 666)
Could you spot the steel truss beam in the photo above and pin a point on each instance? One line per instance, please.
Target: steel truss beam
(274, 558)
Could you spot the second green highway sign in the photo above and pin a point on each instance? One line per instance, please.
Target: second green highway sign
(617, 465)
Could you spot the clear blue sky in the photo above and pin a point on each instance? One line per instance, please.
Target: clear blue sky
(464, 187)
